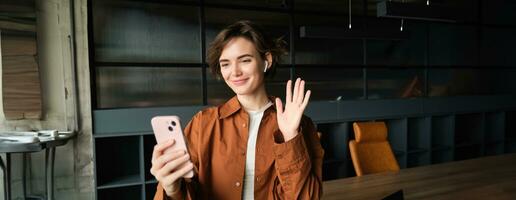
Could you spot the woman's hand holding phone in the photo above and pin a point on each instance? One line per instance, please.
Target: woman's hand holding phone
(169, 167)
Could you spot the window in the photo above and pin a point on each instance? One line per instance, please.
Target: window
(148, 86)
(395, 83)
(141, 32)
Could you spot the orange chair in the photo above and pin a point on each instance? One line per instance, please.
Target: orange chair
(370, 151)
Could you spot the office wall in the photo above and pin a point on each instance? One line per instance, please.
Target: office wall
(73, 163)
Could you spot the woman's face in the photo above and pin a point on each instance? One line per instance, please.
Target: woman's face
(241, 66)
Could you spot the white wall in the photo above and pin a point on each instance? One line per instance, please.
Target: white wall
(74, 161)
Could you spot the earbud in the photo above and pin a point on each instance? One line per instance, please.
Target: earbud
(266, 65)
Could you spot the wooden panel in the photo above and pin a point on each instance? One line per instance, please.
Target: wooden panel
(17, 6)
(18, 45)
(15, 26)
(18, 15)
(484, 178)
(21, 87)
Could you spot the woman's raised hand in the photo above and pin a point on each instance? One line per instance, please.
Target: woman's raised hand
(289, 118)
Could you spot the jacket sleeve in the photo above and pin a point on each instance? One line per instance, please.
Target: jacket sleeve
(299, 164)
(188, 186)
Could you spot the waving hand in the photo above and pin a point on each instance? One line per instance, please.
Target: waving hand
(289, 118)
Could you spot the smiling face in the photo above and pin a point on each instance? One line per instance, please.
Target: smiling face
(242, 67)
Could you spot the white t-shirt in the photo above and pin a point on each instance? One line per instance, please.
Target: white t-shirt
(255, 117)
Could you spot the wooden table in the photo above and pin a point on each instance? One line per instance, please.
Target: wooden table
(492, 177)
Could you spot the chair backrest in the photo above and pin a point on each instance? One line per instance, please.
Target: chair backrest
(370, 151)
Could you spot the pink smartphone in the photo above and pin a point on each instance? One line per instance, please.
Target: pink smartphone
(169, 127)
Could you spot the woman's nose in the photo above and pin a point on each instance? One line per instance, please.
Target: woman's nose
(236, 70)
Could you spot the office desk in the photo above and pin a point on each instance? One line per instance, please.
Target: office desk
(48, 145)
(491, 177)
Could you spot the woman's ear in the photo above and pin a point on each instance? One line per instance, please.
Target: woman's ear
(268, 58)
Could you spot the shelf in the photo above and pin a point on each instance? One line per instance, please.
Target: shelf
(510, 146)
(150, 190)
(150, 181)
(469, 128)
(492, 149)
(417, 150)
(332, 161)
(441, 156)
(468, 152)
(442, 131)
(122, 182)
(107, 135)
(335, 169)
(397, 134)
(441, 148)
(510, 125)
(418, 159)
(495, 126)
(335, 138)
(495, 142)
(350, 169)
(419, 133)
(402, 160)
(398, 152)
(467, 144)
(148, 147)
(117, 161)
(129, 192)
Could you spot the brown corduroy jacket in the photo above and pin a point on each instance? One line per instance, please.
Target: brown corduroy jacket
(217, 143)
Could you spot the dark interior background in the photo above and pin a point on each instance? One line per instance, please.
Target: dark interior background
(444, 91)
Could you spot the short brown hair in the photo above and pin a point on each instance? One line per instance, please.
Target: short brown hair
(254, 33)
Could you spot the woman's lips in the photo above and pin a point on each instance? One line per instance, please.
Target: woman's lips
(239, 82)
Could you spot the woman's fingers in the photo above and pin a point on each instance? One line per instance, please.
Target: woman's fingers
(297, 94)
(180, 172)
(301, 92)
(279, 106)
(165, 158)
(162, 160)
(296, 91)
(159, 148)
(171, 181)
(172, 166)
(307, 98)
(289, 91)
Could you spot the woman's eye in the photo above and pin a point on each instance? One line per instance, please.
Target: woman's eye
(223, 65)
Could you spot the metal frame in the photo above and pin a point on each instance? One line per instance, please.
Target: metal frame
(25, 148)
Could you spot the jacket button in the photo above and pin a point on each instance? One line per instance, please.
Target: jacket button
(237, 184)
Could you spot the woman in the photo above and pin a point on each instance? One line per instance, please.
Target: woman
(250, 147)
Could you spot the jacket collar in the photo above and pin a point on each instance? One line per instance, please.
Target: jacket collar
(233, 105)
